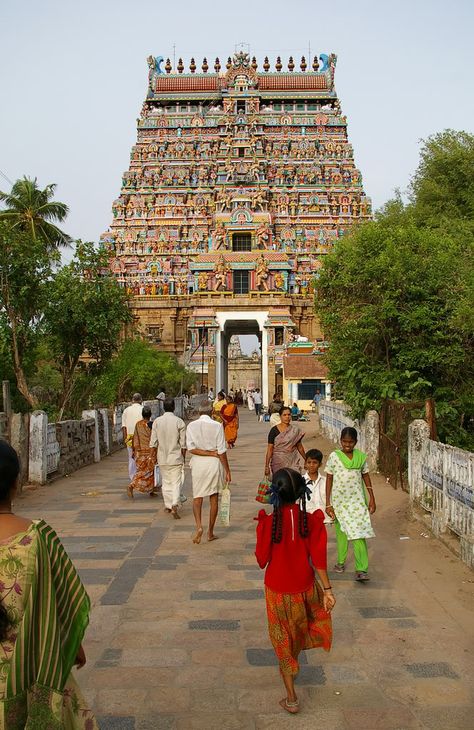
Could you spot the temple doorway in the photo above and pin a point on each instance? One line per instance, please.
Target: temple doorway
(237, 368)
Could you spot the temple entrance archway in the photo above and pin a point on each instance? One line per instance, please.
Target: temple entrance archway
(232, 324)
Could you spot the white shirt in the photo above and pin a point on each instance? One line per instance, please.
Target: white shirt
(206, 434)
(168, 433)
(318, 495)
(130, 417)
(257, 398)
(161, 396)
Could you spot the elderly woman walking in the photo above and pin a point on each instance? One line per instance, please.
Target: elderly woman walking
(284, 449)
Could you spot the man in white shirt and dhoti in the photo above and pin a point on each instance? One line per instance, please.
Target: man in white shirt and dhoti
(168, 444)
(130, 417)
(209, 467)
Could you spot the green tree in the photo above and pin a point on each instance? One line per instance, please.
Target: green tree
(26, 267)
(84, 316)
(442, 189)
(138, 366)
(391, 298)
(32, 211)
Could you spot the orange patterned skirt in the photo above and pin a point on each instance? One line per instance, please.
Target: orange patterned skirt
(297, 621)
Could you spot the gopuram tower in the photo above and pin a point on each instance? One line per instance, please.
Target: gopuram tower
(240, 182)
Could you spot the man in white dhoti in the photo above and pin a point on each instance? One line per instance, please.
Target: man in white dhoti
(209, 467)
(130, 417)
(168, 444)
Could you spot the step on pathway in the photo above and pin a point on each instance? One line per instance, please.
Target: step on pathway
(178, 638)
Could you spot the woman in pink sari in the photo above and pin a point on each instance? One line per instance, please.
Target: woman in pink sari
(284, 445)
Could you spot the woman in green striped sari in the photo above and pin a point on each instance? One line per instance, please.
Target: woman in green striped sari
(44, 611)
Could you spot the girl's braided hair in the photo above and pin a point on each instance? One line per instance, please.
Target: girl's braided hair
(287, 487)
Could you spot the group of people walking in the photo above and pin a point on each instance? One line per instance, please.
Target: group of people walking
(40, 589)
(292, 540)
(163, 445)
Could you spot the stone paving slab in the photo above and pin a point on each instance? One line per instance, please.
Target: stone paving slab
(178, 638)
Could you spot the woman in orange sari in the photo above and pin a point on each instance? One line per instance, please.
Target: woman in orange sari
(230, 418)
(144, 479)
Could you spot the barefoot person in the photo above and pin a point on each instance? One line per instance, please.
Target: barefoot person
(168, 446)
(291, 545)
(143, 481)
(44, 612)
(209, 466)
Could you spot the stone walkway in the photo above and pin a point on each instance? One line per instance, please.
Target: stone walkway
(178, 636)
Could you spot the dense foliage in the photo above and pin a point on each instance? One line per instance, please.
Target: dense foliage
(138, 367)
(396, 297)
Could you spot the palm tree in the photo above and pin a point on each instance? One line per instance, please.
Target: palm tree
(31, 210)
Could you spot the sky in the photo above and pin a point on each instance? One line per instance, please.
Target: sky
(73, 76)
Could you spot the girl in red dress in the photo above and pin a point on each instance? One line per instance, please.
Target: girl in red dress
(298, 607)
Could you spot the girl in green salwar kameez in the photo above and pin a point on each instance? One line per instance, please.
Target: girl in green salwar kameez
(44, 611)
(350, 501)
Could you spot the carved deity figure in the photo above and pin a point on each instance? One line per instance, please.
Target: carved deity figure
(202, 281)
(261, 274)
(262, 235)
(279, 280)
(219, 237)
(220, 274)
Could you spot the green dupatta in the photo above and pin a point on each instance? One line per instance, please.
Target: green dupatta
(49, 635)
(357, 462)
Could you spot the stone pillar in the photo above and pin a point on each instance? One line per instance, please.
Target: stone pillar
(265, 366)
(271, 377)
(328, 391)
(107, 434)
(219, 361)
(211, 375)
(93, 414)
(371, 434)
(418, 436)
(37, 447)
(19, 440)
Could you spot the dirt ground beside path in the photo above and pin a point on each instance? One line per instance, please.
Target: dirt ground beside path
(178, 637)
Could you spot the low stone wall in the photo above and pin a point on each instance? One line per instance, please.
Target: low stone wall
(61, 448)
(441, 481)
(335, 415)
(76, 441)
(3, 425)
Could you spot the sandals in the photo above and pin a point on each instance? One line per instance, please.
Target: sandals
(130, 491)
(174, 512)
(339, 568)
(292, 707)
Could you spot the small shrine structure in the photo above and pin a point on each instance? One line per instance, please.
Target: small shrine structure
(240, 182)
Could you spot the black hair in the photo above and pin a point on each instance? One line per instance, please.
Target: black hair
(350, 432)
(284, 408)
(290, 486)
(146, 412)
(314, 454)
(168, 405)
(9, 470)
(221, 392)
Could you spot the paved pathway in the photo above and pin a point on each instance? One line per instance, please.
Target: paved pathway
(178, 637)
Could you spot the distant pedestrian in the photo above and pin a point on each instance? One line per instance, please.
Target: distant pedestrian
(250, 402)
(210, 395)
(143, 481)
(130, 417)
(291, 545)
(257, 399)
(230, 420)
(218, 404)
(347, 473)
(209, 467)
(317, 398)
(161, 395)
(168, 444)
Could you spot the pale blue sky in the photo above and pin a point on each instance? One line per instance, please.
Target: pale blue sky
(74, 75)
